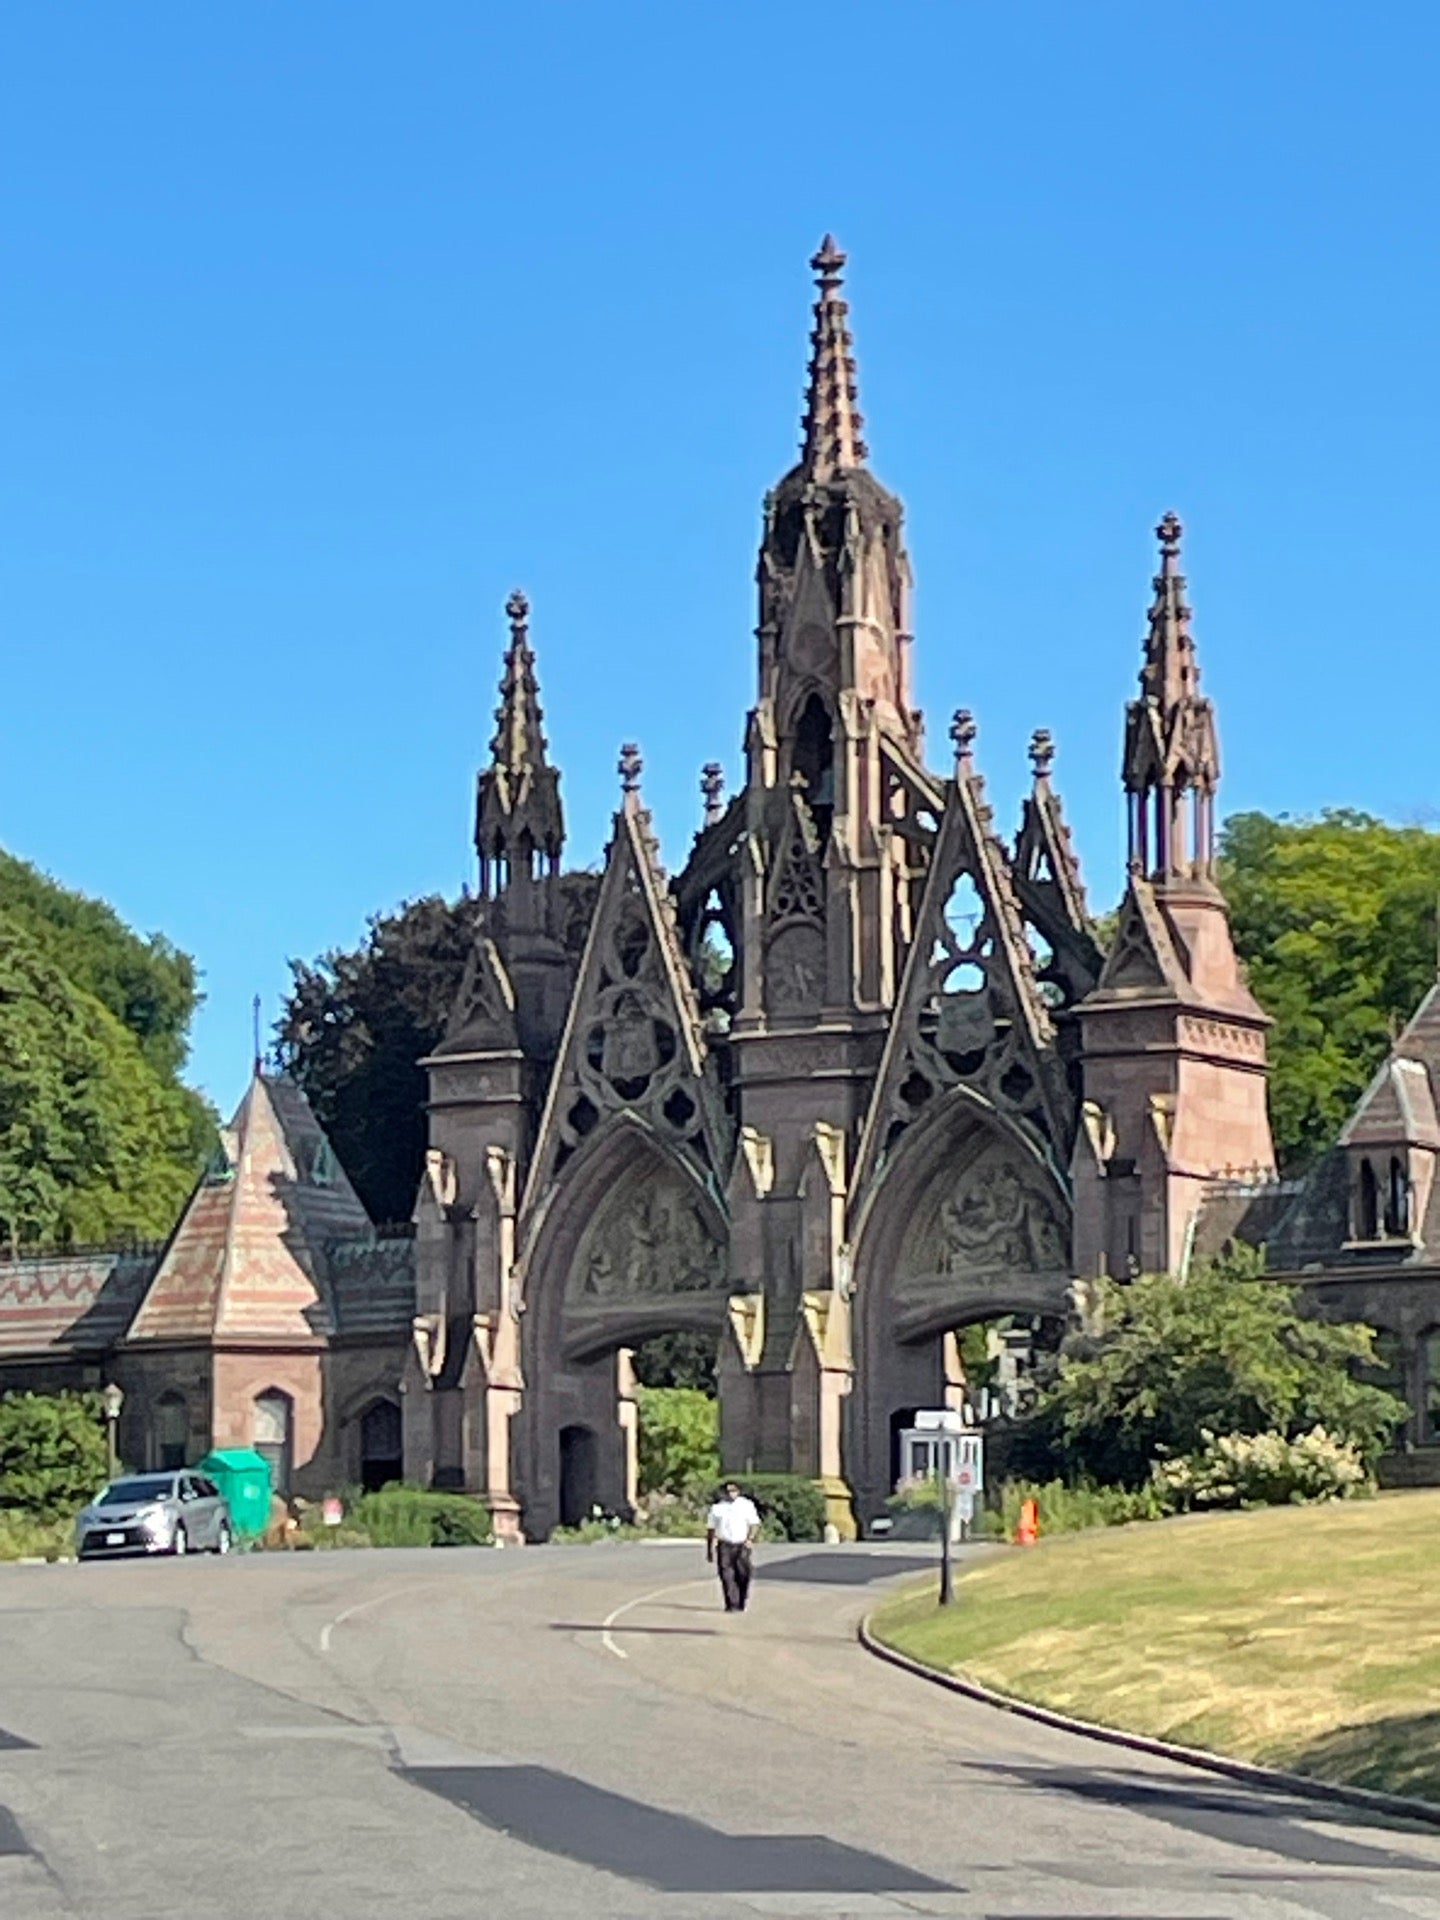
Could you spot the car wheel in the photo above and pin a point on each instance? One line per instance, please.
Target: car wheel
(181, 1542)
(222, 1538)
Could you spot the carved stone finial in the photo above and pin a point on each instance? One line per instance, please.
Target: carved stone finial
(712, 786)
(833, 421)
(1169, 533)
(963, 731)
(828, 265)
(517, 612)
(1042, 752)
(630, 767)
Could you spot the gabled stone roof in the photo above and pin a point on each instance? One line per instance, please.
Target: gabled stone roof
(247, 1260)
(1398, 1106)
(64, 1303)
(1396, 1110)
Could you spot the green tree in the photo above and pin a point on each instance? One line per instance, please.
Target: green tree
(1223, 1351)
(1335, 920)
(356, 1026)
(358, 1022)
(681, 1359)
(95, 1142)
(52, 1452)
(679, 1438)
(147, 984)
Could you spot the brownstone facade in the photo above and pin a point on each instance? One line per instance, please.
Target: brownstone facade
(857, 1077)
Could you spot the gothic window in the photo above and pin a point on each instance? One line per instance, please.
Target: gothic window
(1388, 1368)
(814, 761)
(1367, 1204)
(1397, 1201)
(273, 1429)
(172, 1431)
(381, 1448)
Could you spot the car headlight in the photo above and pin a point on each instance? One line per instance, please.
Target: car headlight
(157, 1522)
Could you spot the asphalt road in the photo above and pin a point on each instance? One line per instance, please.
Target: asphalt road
(581, 1732)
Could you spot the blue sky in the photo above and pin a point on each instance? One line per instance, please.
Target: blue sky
(322, 327)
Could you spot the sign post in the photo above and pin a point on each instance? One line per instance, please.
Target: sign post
(946, 1422)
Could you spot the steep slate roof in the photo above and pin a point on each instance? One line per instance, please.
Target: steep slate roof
(1399, 1103)
(1397, 1109)
(248, 1259)
(70, 1303)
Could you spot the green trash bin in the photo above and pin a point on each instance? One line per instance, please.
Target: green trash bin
(243, 1476)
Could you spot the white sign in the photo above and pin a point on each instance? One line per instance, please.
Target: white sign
(939, 1420)
(970, 1466)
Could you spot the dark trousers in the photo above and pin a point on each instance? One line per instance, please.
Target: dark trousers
(735, 1564)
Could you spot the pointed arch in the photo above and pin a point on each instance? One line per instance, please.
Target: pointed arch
(629, 1241)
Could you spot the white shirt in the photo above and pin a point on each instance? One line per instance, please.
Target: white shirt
(733, 1521)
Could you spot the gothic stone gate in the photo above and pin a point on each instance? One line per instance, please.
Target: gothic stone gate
(630, 1243)
(967, 1221)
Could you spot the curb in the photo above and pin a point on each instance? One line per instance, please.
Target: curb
(1424, 1811)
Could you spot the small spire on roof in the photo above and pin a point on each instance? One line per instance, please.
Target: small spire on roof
(1042, 752)
(519, 820)
(832, 419)
(712, 786)
(630, 766)
(963, 731)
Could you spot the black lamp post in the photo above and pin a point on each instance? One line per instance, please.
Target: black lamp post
(113, 1399)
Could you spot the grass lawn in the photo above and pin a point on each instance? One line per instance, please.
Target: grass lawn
(1302, 1637)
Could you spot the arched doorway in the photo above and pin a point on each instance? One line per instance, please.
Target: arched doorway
(630, 1245)
(579, 1477)
(274, 1432)
(381, 1446)
(172, 1431)
(968, 1222)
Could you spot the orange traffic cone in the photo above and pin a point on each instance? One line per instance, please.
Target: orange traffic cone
(1028, 1530)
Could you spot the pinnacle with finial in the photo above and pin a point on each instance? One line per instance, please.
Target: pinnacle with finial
(962, 732)
(517, 611)
(630, 767)
(832, 419)
(712, 787)
(1042, 752)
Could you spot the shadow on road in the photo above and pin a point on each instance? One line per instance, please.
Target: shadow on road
(598, 1626)
(832, 1569)
(1243, 1816)
(668, 1851)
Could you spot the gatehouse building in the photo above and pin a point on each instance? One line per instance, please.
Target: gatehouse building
(860, 1075)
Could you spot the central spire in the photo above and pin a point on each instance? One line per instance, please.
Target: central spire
(1172, 759)
(518, 817)
(832, 419)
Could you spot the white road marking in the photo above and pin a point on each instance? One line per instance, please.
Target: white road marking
(363, 1606)
(607, 1639)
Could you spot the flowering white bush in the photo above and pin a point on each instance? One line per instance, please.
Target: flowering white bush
(1263, 1470)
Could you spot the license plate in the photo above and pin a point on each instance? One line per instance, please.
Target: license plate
(114, 1539)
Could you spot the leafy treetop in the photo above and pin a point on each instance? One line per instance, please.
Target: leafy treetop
(1335, 920)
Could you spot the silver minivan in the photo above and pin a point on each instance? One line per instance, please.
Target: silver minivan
(155, 1513)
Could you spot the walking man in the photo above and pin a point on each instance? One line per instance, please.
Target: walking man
(730, 1535)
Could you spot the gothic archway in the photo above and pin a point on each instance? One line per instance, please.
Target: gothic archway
(631, 1243)
(968, 1221)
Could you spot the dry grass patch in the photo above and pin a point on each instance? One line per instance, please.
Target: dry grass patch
(1302, 1637)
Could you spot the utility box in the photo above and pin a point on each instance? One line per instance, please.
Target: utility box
(243, 1477)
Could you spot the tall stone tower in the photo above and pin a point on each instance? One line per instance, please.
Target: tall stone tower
(1173, 1041)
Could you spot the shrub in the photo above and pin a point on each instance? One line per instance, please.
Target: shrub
(1263, 1470)
(52, 1452)
(24, 1537)
(674, 1516)
(1068, 1508)
(679, 1438)
(792, 1507)
(401, 1516)
(1223, 1351)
